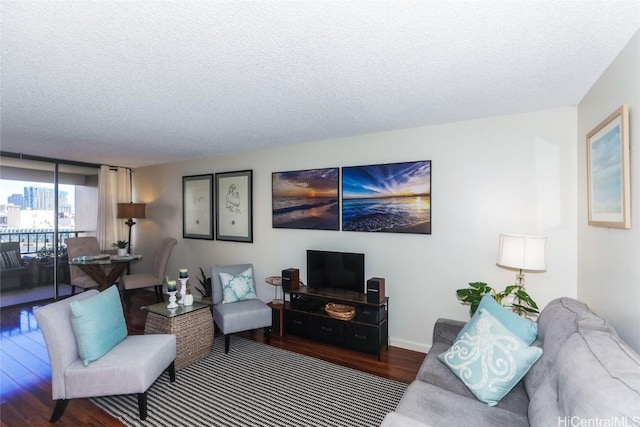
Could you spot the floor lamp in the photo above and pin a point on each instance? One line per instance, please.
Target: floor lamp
(130, 211)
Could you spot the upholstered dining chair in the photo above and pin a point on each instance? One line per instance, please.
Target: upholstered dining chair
(154, 279)
(236, 307)
(79, 369)
(81, 246)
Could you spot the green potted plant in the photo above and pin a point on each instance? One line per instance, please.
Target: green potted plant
(44, 254)
(513, 297)
(63, 253)
(205, 282)
(122, 247)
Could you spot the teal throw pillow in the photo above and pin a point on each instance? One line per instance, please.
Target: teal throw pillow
(489, 359)
(98, 324)
(524, 328)
(237, 287)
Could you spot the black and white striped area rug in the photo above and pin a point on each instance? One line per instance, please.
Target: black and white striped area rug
(259, 385)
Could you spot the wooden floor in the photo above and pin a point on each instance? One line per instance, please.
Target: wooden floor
(25, 382)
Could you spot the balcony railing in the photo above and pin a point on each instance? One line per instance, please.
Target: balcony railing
(33, 240)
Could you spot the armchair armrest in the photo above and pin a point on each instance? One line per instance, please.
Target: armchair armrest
(446, 330)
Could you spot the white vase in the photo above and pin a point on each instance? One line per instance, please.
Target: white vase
(122, 251)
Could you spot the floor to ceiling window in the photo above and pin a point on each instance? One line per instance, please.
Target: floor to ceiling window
(42, 203)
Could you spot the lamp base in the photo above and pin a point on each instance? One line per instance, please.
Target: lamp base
(519, 279)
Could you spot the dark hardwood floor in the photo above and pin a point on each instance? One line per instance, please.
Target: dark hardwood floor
(25, 381)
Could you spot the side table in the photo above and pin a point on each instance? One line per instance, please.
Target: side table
(277, 282)
(192, 325)
(277, 318)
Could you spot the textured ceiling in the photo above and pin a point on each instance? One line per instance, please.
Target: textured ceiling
(135, 83)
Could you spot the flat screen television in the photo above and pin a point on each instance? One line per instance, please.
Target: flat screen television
(335, 270)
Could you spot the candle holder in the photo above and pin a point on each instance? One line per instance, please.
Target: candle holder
(183, 290)
(172, 299)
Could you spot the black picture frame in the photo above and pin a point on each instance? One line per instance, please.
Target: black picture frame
(387, 198)
(306, 199)
(234, 206)
(197, 207)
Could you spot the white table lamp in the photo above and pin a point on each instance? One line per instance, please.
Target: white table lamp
(522, 253)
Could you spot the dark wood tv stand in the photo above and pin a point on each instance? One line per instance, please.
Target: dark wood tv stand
(304, 315)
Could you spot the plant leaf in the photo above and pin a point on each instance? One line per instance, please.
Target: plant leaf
(522, 304)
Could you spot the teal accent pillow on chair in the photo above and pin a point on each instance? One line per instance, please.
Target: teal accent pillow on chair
(98, 324)
(522, 327)
(488, 358)
(237, 287)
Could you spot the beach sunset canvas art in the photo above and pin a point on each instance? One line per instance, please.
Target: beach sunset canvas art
(306, 199)
(392, 198)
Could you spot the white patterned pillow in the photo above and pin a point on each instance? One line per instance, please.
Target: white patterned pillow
(489, 359)
(237, 287)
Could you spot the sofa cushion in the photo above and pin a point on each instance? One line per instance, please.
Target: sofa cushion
(237, 287)
(242, 316)
(396, 419)
(436, 406)
(557, 322)
(522, 327)
(446, 330)
(132, 366)
(595, 376)
(437, 373)
(98, 324)
(489, 358)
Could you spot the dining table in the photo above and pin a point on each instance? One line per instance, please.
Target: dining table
(104, 268)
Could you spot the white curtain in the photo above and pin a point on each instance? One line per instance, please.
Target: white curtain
(114, 186)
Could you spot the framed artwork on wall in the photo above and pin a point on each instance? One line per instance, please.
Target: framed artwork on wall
(391, 198)
(197, 207)
(234, 206)
(608, 176)
(306, 199)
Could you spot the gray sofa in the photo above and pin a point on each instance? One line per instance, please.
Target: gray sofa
(586, 374)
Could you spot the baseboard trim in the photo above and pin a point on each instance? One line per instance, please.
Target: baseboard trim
(409, 345)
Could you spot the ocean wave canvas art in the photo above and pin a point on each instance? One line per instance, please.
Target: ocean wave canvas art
(306, 199)
(608, 176)
(392, 198)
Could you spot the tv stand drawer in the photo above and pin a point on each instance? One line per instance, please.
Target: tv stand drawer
(362, 337)
(297, 323)
(326, 329)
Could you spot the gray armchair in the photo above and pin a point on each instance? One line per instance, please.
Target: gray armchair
(237, 316)
(130, 367)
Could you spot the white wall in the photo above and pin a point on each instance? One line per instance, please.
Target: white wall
(609, 259)
(512, 174)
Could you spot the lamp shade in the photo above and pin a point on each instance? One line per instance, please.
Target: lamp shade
(522, 252)
(131, 210)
